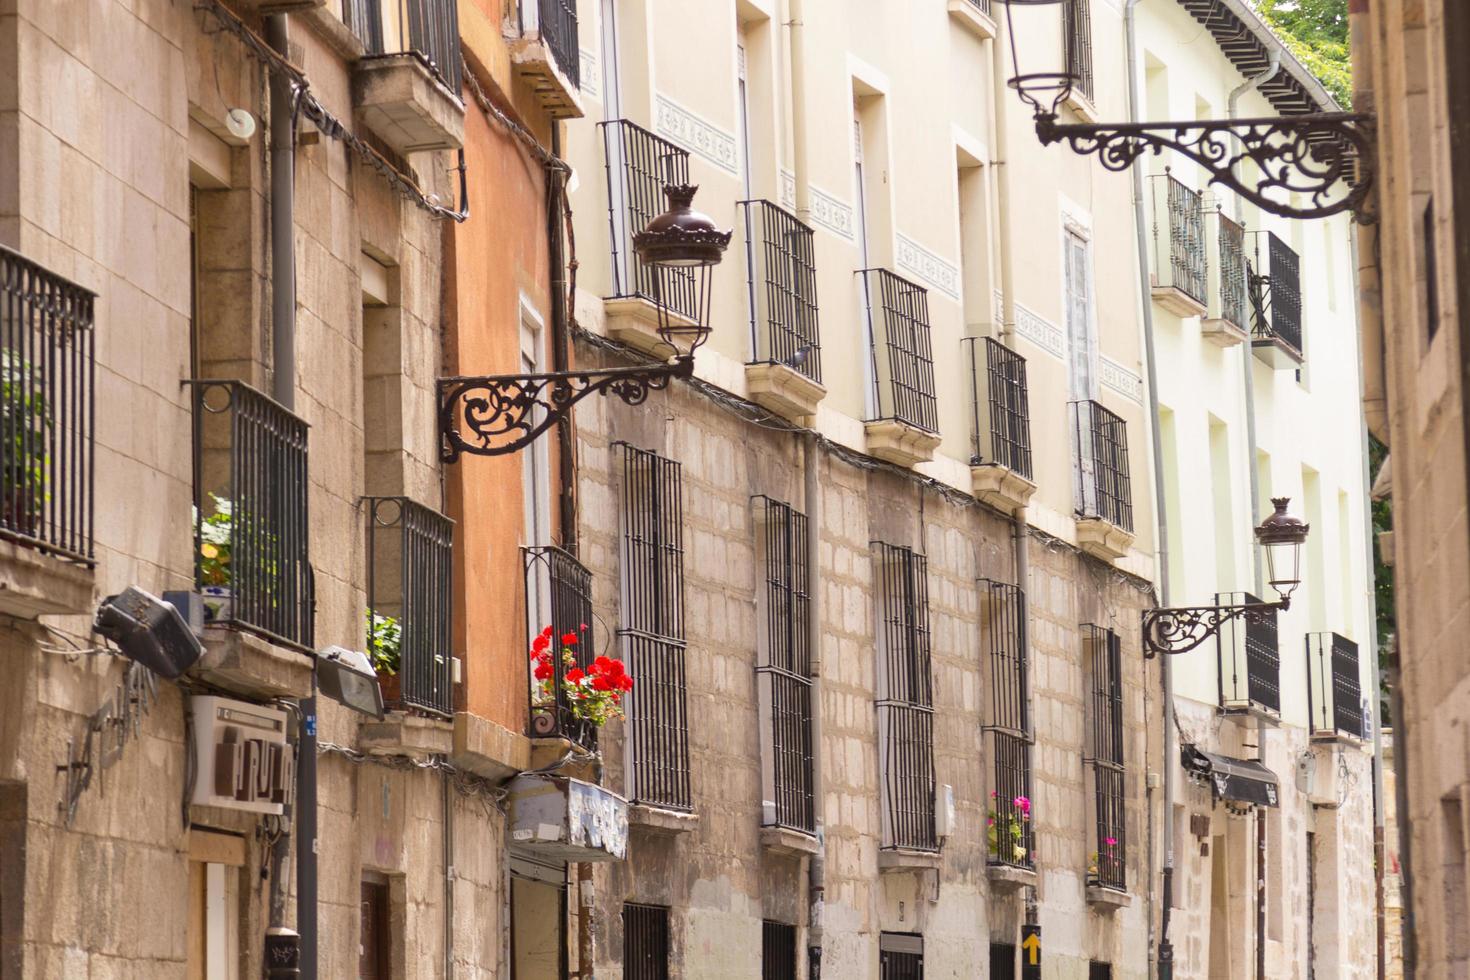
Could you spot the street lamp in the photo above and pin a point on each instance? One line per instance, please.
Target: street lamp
(504, 413)
(1179, 629)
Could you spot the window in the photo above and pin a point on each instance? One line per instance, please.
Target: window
(1103, 662)
(1250, 658)
(778, 951)
(1081, 339)
(780, 255)
(1099, 971)
(972, 193)
(1002, 961)
(784, 675)
(1008, 825)
(1104, 486)
(538, 919)
(212, 936)
(645, 942)
(428, 28)
(375, 936)
(905, 700)
(652, 629)
(639, 166)
(901, 956)
(902, 358)
(1431, 273)
(1077, 17)
(410, 593)
(1001, 431)
(1334, 691)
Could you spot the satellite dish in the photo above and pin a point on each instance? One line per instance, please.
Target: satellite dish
(240, 123)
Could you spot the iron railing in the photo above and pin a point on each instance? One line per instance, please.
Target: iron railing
(1184, 224)
(410, 587)
(1103, 486)
(1009, 835)
(250, 513)
(1077, 28)
(1234, 296)
(784, 675)
(902, 358)
(1249, 662)
(47, 410)
(1334, 690)
(559, 595)
(558, 20)
(900, 956)
(782, 286)
(652, 628)
(426, 29)
(905, 699)
(981, 5)
(1276, 294)
(639, 166)
(1104, 663)
(1000, 406)
(645, 942)
(778, 951)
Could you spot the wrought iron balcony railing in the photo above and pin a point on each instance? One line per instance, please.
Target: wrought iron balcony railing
(410, 590)
(1001, 412)
(1179, 238)
(1334, 690)
(1249, 661)
(1276, 295)
(1104, 489)
(902, 358)
(982, 5)
(1077, 37)
(1103, 649)
(905, 699)
(782, 284)
(47, 410)
(1234, 294)
(639, 166)
(1010, 839)
(426, 29)
(250, 515)
(559, 595)
(783, 678)
(558, 20)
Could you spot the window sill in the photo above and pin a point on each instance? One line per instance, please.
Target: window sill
(1178, 302)
(249, 665)
(633, 320)
(972, 18)
(899, 442)
(784, 840)
(1103, 539)
(488, 749)
(1249, 713)
(1084, 107)
(661, 822)
(1107, 900)
(1221, 332)
(405, 734)
(1001, 486)
(784, 390)
(1009, 878)
(33, 583)
(909, 859)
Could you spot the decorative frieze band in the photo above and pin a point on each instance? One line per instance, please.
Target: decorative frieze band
(827, 210)
(696, 135)
(590, 79)
(915, 258)
(1121, 380)
(1035, 328)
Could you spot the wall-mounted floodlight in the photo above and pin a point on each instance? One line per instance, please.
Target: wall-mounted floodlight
(148, 630)
(347, 677)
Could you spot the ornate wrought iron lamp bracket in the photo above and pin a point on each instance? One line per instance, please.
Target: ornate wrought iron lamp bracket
(500, 414)
(1325, 160)
(1182, 628)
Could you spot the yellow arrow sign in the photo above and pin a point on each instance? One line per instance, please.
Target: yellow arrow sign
(1032, 946)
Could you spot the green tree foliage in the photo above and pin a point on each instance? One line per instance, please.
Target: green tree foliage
(1382, 574)
(1316, 32)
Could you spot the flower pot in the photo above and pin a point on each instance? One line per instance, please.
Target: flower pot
(392, 687)
(219, 603)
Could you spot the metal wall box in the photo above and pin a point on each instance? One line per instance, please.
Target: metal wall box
(564, 819)
(242, 758)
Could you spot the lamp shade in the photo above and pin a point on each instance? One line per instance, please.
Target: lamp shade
(1282, 535)
(1039, 30)
(680, 247)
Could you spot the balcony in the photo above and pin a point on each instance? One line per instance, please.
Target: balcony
(1227, 322)
(1178, 276)
(639, 166)
(1335, 703)
(548, 57)
(974, 16)
(47, 411)
(407, 85)
(1249, 662)
(1000, 439)
(1107, 865)
(904, 427)
(1274, 282)
(1104, 498)
(250, 541)
(785, 371)
(559, 595)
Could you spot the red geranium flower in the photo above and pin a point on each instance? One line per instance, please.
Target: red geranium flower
(602, 663)
(601, 683)
(543, 671)
(569, 639)
(575, 674)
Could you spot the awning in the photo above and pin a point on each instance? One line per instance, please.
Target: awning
(1241, 780)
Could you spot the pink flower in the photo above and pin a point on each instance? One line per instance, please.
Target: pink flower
(1111, 841)
(1022, 803)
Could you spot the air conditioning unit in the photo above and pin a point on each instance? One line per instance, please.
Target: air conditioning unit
(243, 759)
(1324, 784)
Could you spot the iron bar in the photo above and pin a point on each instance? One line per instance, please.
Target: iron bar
(1003, 624)
(1104, 489)
(1104, 665)
(1185, 248)
(558, 25)
(905, 699)
(426, 29)
(1334, 690)
(410, 580)
(784, 673)
(1000, 406)
(559, 595)
(1249, 652)
(778, 951)
(1234, 298)
(903, 381)
(639, 166)
(782, 279)
(1276, 295)
(645, 942)
(1077, 28)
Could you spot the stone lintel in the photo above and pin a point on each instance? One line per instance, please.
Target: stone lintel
(660, 821)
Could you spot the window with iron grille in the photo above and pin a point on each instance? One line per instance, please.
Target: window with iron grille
(47, 409)
(645, 942)
(1334, 691)
(1009, 836)
(1002, 961)
(1099, 971)
(639, 166)
(1276, 294)
(427, 29)
(1001, 432)
(1077, 27)
(1103, 652)
(1234, 297)
(778, 951)
(784, 684)
(1249, 661)
(375, 941)
(559, 595)
(652, 629)
(782, 280)
(905, 698)
(900, 956)
(982, 5)
(903, 361)
(250, 529)
(1183, 222)
(409, 591)
(1103, 486)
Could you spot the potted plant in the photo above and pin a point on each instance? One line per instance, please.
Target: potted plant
(593, 695)
(25, 417)
(1005, 831)
(1094, 861)
(385, 645)
(215, 572)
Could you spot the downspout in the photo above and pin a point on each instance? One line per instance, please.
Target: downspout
(799, 167)
(1165, 961)
(448, 824)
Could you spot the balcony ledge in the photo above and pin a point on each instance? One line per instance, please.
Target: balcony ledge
(1102, 539)
(1250, 713)
(1107, 900)
(972, 18)
(264, 7)
(405, 734)
(1001, 486)
(1084, 107)
(784, 840)
(1277, 353)
(243, 663)
(1178, 302)
(909, 859)
(487, 749)
(784, 390)
(1222, 332)
(660, 821)
(33, 583)
(580, 763)
(534, 62)
(899, 442)
(1327, 739)
(401, 101)
(633, 320)
(1008, 877)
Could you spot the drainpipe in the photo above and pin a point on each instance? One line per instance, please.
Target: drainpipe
(817, 863)
(1165, 962)
(448, 876)
(799, 170)
(1001, 178)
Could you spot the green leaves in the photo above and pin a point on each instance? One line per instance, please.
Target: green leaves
(385, 642)
(1316, 33)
